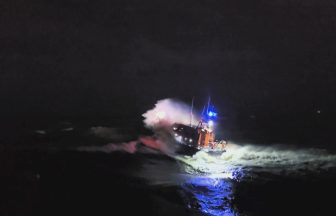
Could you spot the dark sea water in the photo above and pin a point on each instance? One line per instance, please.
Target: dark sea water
(106, 171)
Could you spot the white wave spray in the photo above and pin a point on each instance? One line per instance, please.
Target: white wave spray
(239, 159)
(167, 112)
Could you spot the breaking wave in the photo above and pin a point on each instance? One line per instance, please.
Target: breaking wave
(162, 141)
(240, 160)
(129, 147)
(237, 162)
(167, 112)
(144, 144)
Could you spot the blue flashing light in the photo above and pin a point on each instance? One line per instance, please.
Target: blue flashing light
(212, 114)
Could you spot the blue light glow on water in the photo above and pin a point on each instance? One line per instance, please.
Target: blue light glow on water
(212, 196)
(206, 181)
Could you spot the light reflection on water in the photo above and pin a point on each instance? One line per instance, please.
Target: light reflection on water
(211, 196)
(207, 181)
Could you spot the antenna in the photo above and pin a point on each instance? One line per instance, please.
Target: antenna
(208, 105)
(191, 111)
(203, 110)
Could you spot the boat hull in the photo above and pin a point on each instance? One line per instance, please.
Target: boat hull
(214, 152)
(183, 149)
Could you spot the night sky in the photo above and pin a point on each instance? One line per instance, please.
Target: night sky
(269, 60)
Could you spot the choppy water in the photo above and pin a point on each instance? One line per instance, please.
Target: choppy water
(208, 184)
(98, 176)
